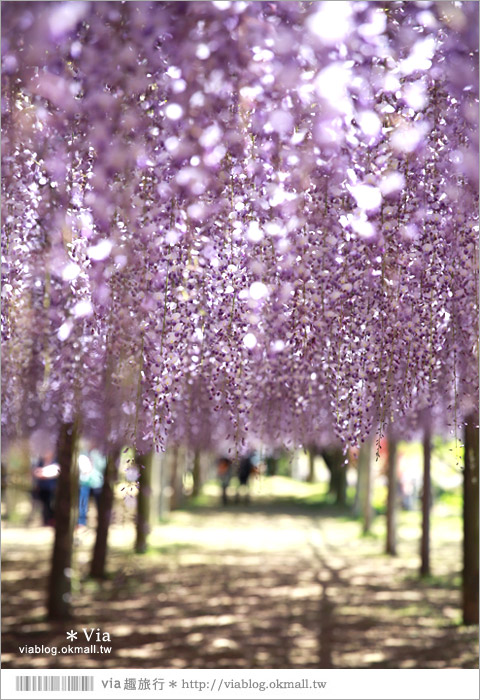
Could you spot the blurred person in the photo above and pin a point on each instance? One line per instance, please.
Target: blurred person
(45, 475)
(406, 494)
(246, 468)
(84, 473)
(99, 463)
(224, 472)
(408, 483)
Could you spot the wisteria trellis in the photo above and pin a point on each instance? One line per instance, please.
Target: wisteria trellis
(234, 219)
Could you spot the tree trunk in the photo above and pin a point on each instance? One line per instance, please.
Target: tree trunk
(164, 499)
(311, 465)
(391, 544)
(175, 477)
(363, 498)
(360, 488)
(156, 487)
(196, 473)
(4, 491)
(367, 504)
(105, 508)
(66, 509)
(426, 499)
(334, 459)
(470, 524)
(143, 501)
(342, 483)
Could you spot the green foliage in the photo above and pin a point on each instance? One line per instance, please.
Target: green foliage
(451, 499)
(284, 464)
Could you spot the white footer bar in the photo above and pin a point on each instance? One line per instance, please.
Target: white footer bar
(328, 684)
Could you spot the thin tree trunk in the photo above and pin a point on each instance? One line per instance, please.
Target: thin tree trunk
(164, 485)
(156, 487)
(334, 459)
(311, 465)
(470, 524)
(363, 496)
(174, 498)
(196, 473)
(367, 504)
(391, 544)
(66, 509)
(342, 484)
(143, 502)
(426, 499)
(4, 491)
(360, 489)
(105, 507)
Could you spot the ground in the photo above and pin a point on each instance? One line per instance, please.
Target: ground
(277, 583)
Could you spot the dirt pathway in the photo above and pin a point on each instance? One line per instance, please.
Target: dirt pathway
(249, 587)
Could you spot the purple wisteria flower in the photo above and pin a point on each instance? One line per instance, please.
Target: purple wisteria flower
(239, 221)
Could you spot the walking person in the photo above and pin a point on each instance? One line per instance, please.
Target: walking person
(99, 463)
(84, 475)
(224, 471)
(245, 469)
(45, 474)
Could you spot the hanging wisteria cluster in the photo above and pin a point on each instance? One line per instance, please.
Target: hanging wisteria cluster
(238, 220)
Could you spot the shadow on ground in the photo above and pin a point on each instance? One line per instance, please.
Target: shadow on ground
(252, 586)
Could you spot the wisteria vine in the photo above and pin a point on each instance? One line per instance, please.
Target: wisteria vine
(239, 220)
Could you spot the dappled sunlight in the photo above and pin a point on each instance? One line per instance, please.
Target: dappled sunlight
(252, 588)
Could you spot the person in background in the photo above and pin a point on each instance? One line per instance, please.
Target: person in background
(245, 469)
(84, 474)
(99, 463)
(45, 475)
(224, 471)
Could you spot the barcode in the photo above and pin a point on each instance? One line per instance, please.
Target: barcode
(51, 683)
